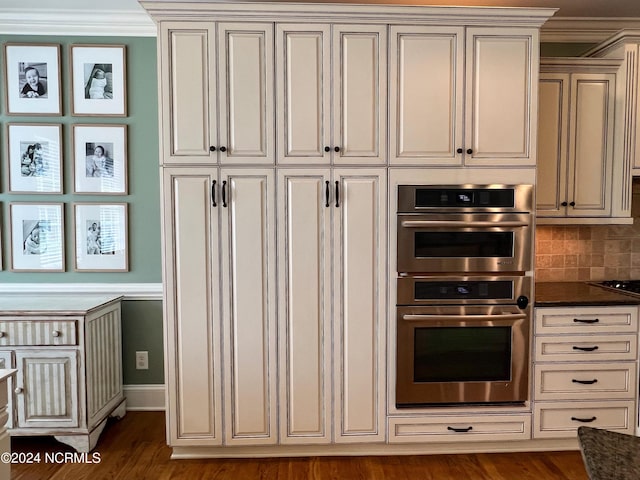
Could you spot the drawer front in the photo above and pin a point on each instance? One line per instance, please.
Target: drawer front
(580, 320)
(578, 348)
(459, 429)
(585, 381)
(38, 332)
(562, 419)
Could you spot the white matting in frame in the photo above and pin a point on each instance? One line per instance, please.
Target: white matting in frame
(32, 75)
(101, 237)
(98, 80)
(34, 158)
(37, 237)
(100, 159)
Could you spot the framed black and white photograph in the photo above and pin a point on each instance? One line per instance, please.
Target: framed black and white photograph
(32, 79)
(37, 237)
(100, 237)
(34, 158)
(98, 80)
(100, 159)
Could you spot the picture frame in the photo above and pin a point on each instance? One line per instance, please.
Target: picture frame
(34, 158)
(100, 159)
(98, 80)
(32, 79)
(101, 237)
(37, 237)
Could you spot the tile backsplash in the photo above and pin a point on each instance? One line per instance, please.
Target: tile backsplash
(590, 252)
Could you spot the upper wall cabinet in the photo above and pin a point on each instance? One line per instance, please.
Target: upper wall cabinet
(217, 93)
(576, 141)
(440, 116)
(332, 91)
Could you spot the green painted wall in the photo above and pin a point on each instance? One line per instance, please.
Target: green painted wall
(141, 320)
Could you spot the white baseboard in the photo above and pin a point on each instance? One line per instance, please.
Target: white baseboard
(145, 397)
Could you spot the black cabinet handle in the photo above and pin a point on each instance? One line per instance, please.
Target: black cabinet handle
(580, 320)
(469, 151)
(213, 194)
(337, 194)
(584, 420)
(326, 194)
(572, 204)
(460, 430)
(585, 382)
(336, 149)
(327, 149)
(212, 148)
(459, 150)
(223, 149)
(224, 193)
(586, 349)
(564, 204)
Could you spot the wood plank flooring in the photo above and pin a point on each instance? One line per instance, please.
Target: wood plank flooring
(134, 448)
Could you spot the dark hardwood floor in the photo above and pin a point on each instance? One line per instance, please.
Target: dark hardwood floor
(134, 448)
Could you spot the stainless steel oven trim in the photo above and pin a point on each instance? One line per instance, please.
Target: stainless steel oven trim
(410, 393)
(521, 286)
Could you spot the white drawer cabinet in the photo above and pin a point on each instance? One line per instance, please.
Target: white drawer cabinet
(67, 355)
(585, 369)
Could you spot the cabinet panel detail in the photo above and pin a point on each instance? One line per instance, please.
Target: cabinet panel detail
(38, 332)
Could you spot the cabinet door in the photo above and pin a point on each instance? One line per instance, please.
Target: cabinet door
(553, 123)
(303, 78)
(591, 143)
(501, 96)
(47, 389)
(359, 296)
(245, 56)
(249, 306)
(304, 299)
(360, 94)
(191, 306)
(426, 67)
(6, 363)
(187, 107)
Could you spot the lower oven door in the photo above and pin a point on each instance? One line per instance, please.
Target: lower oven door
(462, 355)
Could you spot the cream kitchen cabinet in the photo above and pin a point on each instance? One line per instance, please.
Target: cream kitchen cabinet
(219, 227)
(332, 256)
(332, 93)
(480, 107)
(585, 369)
(216, 93)
(577, 116)
(67, 355)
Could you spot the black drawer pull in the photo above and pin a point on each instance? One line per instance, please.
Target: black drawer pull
(586, 349)
(460, 430)
(580, 320)
(584, 420)
(224, 193)
(213, 194)
(585, 382)
(337, 193)
(326, 193)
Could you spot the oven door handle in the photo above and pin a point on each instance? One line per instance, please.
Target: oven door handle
(450, 223)
(510, 316)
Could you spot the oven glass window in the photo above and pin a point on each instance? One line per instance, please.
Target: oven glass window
(463, 244)
(462, 354)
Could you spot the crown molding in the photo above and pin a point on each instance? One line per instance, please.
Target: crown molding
(584, 30)
(94, 23)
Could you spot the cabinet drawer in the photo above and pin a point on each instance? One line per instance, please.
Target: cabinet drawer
(586, 320)
(38, 332)
(576, 348)
(585, 381)
(562, 419)
(459, 428)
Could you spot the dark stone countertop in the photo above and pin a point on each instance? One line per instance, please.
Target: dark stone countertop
(559, 294)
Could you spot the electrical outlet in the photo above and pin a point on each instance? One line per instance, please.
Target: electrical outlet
(142, 360)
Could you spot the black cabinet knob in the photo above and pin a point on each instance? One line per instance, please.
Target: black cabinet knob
(469, 151)
(327, 149)
(572, 204)
(336, 149)
(212, 148)
(459, 150)
(223, 149)
(564, 204)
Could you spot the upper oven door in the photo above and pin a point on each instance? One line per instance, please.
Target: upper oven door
(464, 242)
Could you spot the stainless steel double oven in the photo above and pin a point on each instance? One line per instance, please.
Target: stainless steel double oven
(463, 290)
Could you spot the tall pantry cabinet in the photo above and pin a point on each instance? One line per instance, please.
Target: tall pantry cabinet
(277, 122)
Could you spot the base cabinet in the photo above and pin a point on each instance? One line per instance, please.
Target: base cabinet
(67, 355)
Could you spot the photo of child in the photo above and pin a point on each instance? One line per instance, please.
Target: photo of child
(34, 237)
(32, 161)
(98, 81)
(32, 79)
(98, 160)
(93, 237)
